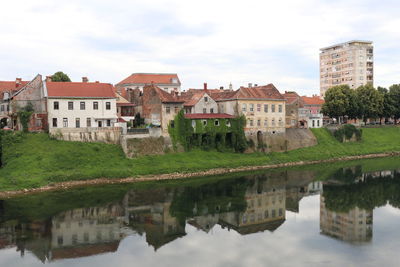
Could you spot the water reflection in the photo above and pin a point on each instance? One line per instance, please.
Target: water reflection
(246, 205)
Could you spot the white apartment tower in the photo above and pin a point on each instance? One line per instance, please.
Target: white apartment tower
(350, 63)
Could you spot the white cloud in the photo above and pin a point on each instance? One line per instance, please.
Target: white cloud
(203, 41)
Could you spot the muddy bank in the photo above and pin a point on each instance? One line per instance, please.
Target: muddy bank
(172, 176)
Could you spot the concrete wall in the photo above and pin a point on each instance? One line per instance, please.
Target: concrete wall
(110, 135)
(141, 145)
(293, 139)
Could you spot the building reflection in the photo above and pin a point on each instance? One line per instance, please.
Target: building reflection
(354, 226)
(246, 205)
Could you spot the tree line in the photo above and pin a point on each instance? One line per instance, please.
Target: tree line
(364, 103)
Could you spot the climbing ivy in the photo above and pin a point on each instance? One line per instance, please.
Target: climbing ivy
(346, 132)
(207, 133)
(24, 116)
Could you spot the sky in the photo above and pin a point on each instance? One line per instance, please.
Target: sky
(213, 41)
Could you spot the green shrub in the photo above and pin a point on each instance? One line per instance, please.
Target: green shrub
(346, 132)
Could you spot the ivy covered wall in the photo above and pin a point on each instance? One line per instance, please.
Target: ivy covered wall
(206, 134)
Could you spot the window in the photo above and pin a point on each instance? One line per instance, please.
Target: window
(70, 105)
(273, 108)
(168, 110)
(108, 123)
(55, 105)
(266, 214)
(280, 212)
(251, 123)
(228, 124)
(205, 99)
(258, 122)
(77, 123)
(216, 122)
(280, 108)
(65, 122)
(108, 105)
(273, 122)
(193, 123)
(88, 122)
(265, 122)
(176, 109)
(211, 110)
(204, 122)
(54, 122)
(222, 108)
(266, 108)
(251, 107)
(60, 240)
(95, 105)
(258, 107)
(204, 110)
(82, 105)
(318, 123)
(313, 123)
(100, 124)
(244, 107)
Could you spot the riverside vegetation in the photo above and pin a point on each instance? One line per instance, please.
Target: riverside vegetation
(34, 160)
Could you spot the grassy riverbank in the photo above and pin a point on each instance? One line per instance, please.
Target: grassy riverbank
(38, 160)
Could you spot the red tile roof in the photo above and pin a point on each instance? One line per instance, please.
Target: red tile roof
(291, 97)
(208, 116)
(11, 85)
(192, 97)
(315, 100)
(267, 92)
(80, 90)
(148, 78)
(164, 96)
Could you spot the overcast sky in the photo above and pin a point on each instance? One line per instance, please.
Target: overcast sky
(203, 41)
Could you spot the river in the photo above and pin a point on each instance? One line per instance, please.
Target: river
(343, 214)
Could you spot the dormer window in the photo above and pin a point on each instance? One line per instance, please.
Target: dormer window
(205, 99)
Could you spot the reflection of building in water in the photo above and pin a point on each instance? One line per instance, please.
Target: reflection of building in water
(149, 212)
(92, 230)
(296, 193)
(354, 226)
(265, 208)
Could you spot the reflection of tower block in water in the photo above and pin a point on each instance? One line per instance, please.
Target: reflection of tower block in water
(354, 226)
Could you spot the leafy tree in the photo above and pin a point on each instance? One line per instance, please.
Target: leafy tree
(371, 102)
(336, 101)
(394, 95)
(388, 105)
(60, 77)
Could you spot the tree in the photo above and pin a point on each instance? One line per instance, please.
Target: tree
(394, 96)
(388, 105)
(60, 77)
(336, 101)
(371, 102)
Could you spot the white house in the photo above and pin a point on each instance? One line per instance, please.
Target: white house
(80, 105)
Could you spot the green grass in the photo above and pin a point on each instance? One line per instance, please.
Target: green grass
(39, 160)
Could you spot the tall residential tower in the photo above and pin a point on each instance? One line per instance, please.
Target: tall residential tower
(350, 63)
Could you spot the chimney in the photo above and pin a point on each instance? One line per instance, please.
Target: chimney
(18, 80)
(85, 79)
(221, 87)
(250, 85)
(97, 82)
(48, 78)
(255, 85)
(205, 86)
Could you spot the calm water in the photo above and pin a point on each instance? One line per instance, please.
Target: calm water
(328, 215)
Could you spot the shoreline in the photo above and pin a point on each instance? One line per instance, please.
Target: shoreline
(175, 176)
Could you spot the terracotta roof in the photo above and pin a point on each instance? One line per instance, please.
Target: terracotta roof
(80, 90)
(315, 100)
(291, 97)
(148, 78)
(268, 92)
(192, 97)
(208, 116)
(11, 85)
(84, 250)
(165, 97)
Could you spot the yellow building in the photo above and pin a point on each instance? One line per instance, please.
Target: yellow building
(263, 107)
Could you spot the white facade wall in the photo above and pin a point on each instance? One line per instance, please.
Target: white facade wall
(101, 115)
(209, 105)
